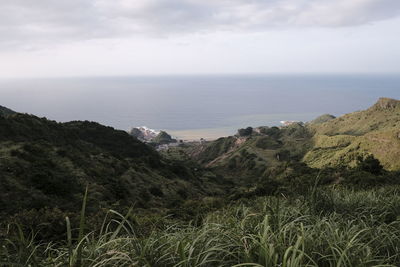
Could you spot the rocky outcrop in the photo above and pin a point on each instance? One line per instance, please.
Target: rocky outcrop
(143, 133)
(386, 103)
(163, 138)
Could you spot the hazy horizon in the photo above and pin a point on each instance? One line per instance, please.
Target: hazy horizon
(196, 106)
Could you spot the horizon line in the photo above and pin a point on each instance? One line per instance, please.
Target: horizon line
(242, 74)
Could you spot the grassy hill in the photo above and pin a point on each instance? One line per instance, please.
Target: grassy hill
(251, 157)
(373, 131)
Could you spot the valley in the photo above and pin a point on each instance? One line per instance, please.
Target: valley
(187, 200)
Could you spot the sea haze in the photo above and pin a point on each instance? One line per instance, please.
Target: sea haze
(191, 107)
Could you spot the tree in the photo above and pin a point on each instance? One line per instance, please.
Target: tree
(245, 131)
(369, 164)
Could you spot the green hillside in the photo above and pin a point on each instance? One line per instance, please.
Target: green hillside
(251, 157)
(255, 154)
(48, 164)
(373, 131)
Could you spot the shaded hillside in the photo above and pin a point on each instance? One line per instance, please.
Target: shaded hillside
(6, 111)
(373, 131)
(48, 164)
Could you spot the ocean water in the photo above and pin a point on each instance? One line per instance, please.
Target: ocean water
(191, 107)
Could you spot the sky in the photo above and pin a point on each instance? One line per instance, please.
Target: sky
(49, 38)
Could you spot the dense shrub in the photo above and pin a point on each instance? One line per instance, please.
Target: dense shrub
(245, 131)
(266, 142)
(274, 132)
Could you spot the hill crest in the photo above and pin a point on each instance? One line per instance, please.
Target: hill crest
(6, 111)
(385, 103)
(375, 131)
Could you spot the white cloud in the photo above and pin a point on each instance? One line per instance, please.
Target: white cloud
(30, 23)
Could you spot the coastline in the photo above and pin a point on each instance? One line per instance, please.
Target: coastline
(237, 122)
(208, 134)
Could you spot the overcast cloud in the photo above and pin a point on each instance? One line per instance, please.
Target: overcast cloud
(53, 38)
(54, 21)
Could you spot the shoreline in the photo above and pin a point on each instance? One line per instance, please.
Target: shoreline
(243, 121)
(208, 134)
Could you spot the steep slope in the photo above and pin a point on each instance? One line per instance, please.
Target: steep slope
(373, 131)
(48, 164)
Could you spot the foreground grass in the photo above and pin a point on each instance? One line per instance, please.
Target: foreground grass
(324, 227)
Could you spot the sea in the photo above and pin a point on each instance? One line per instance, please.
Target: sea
(198, 106)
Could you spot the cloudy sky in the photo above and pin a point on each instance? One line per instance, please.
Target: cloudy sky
(52, 38)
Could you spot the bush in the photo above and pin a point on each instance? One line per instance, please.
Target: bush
(245, 131)
(369, 164)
